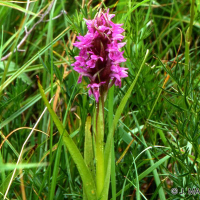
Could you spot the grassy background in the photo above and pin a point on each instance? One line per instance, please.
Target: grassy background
(156, 143)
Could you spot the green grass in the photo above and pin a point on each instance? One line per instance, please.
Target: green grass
(154, 115)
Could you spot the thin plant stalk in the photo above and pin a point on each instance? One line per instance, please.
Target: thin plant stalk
(188, 38)
(100, 172)
(21, 152)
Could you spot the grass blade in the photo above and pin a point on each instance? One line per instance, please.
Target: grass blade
(111, 131)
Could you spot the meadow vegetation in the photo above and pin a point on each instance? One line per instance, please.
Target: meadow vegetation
(157, 135)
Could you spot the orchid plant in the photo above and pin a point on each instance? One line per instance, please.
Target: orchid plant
(99, 60)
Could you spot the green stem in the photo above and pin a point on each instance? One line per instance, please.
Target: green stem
(187, 47)
(100, 148)
(188, 38)
(192, 18)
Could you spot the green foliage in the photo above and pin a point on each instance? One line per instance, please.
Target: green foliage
(156, 133)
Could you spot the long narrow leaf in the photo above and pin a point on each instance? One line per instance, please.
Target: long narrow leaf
(74, 151)
(23, 68)
(111, 131)
(88, 150)
(145, 173)
(15, 6)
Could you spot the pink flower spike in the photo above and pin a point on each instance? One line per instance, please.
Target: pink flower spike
(100, 54)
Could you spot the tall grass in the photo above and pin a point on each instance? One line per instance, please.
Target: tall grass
(157, 136)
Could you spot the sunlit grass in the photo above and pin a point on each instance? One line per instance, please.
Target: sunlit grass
(156, 140)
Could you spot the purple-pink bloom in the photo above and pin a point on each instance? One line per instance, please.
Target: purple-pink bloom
(94, 89)
(100, 54)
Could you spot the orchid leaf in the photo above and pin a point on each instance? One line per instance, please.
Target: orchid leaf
(84, 171)
(111, 131)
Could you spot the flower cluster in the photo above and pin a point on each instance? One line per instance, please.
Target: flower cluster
(99, 56)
